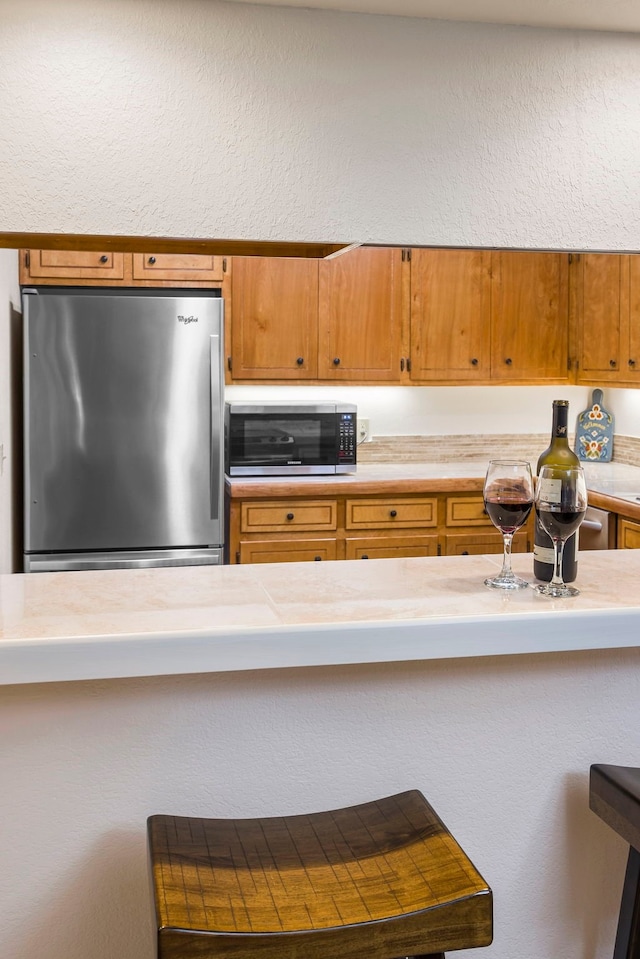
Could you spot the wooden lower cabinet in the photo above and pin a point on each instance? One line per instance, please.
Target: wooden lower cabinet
(628, 534)
(295, 529)
(390, 546)
(300, 550)
(475, 544)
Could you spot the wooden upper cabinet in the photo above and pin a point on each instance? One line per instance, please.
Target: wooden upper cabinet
(70, 265)
(633, 359)
(274, 329)
(360, 316)
(178, 266)
(450, 314)
(608, 311)
(530, 317)
(602, 310)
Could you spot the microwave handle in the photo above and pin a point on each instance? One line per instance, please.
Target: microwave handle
(216, 484)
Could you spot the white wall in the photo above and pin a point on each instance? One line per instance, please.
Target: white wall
(204, 118)
(501, 746)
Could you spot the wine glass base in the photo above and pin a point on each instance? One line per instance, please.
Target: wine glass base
(506, 582)
(556, 591)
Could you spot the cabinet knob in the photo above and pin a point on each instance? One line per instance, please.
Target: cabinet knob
(152, 259)
(474, 361)
(393, 512)
(300, 360)
(632, 362)
(364, 556)
(508, 361)
(612, 363)
(289, 515)
(317, 559)
(336, 361)
(465, 552)
(104, 258)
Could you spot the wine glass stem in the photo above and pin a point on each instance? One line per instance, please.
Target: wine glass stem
(506, 555)
(558, 551)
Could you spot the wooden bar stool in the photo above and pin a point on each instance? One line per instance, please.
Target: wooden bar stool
(614, 795)
(381, 880)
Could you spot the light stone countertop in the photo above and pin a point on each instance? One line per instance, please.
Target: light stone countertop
(119, 623)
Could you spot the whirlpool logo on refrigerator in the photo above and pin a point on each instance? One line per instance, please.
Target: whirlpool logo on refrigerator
(187, 319)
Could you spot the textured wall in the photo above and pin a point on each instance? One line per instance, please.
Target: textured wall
(212, 119)
(501, 746)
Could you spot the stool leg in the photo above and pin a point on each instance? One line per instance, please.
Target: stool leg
(628, 935)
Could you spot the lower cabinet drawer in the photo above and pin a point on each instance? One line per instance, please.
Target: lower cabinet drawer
(390, 547)
(466, 511)
(628, 534)
(287, 551)
(389, 513)
(270, 517)
(472, 544)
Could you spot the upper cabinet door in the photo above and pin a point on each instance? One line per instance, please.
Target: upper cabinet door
(633, 359)
(178, 266)
(530, 317)
(450, 315)
(360, 313)
(602, 307)
(274, 328)
(75, 265)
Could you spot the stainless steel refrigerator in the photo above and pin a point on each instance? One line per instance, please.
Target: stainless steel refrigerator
(123, 414)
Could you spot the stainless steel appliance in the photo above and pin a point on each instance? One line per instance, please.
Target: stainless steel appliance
(123, 394)
(276, 439)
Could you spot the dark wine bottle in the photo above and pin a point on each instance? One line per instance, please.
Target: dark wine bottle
(560, 455)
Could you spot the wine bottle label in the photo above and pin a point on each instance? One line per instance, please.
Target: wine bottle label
(542, 554)
(551, 490)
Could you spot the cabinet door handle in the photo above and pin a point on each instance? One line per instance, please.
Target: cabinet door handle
(612, 363)
(465, 552)
(104, 258)
(300, 360)
(508, 361)
(402, 364)
(393, 512)
(317, 559)
(474, 361)
(152, 259)
(289, 515)
(336, 361)
(364, 556)
(632, 362)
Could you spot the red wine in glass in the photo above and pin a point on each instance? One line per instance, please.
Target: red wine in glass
(508, 499)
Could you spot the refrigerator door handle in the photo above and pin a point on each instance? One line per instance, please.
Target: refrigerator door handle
(216, 421)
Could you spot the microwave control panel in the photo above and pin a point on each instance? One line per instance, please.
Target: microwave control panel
(347, 437)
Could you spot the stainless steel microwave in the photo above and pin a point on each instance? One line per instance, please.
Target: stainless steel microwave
(284, 439)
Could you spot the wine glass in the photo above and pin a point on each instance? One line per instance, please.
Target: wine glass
(561, 502)
(508, 498)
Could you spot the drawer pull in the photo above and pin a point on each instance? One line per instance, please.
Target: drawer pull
(152, 259)
(336, 361)
(364, 557)
(508, 361)
(104, 258)
(289, 515)
(474, 361)
(465, 552)
(393, 512)
(317, 559)
(612, 363)
(632, 362)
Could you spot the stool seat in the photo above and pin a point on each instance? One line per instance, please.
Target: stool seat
(614, 795)
(383, 879)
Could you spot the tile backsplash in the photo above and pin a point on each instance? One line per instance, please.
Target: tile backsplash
(439, 449)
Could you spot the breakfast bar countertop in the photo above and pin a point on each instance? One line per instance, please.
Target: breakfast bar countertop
(170, 621)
